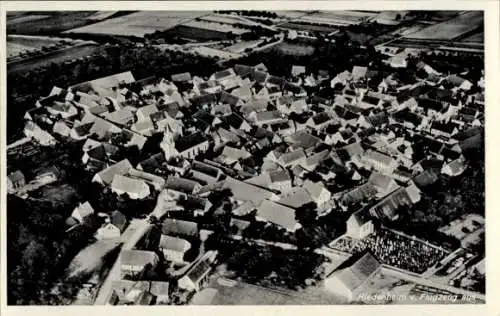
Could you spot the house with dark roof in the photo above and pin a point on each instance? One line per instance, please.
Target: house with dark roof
(407, 118)
(402, 197)
(443, 129)
(177, 227)
(353, 276)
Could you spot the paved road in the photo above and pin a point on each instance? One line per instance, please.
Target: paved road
(131, 236)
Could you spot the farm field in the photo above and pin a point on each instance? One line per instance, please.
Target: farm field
(389, 17)
(195, 33)
(227, 19)
(475, 38)
(337, 17)
(139, 23)
(294, 49)
(53, 22)
(26, 18)
(74, 52)
(308, 27)
(211, 52)
(291, 14)
(19, 44)
(241, 46)
(223, 28)
(451, 29)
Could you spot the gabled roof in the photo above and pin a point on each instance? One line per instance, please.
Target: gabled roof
(246, 192)
(357, 274)
(181, 184)
(443, 127)
(184, 76)
(174, 243)
(128, 185)
(84, 209)
(189, 141)
(295, 197)
(380, 157)
(278, 214)
(380, 181)
(138, 258)
(121, 168)
(119, 220)
(179, 227)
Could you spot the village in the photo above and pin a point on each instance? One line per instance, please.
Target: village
(319, 165)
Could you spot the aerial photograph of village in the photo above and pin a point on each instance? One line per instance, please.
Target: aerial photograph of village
(245, 157)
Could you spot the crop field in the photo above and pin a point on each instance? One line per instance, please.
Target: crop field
(139, 23)
(221, 18)
(74, 52)
(194, 33)
(474, 38)
(223, 28)
(19, 44)
(451, 29)
(26, 18)
(241, 46)
(308, 27)
(338, 17)
(52, 22)
(295, 49)
(291, 14)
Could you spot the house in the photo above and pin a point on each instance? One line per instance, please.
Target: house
(407, 118)
(231, 155)
(15, 181)
(359, 225)
(295, 197)
(379, 161)
(280, 180)
(319, 121)
(318, 192)
(278, 214)
(181, 77)
(384, 184)
(198, 274)
(205, 172)
(134, 262)
(32, 130)
(352, 277)
(298, 70)
(454, 168)
(106, 176)
(82, 211)
(266, 118)
(177, 227)
(177, 187)
(402, 197)
(174, 248)
(188, 146)
(243, 191)
(134, 188)
(292, 158)
(114, 226)
(61, 128)
(358, 72)
(103, 152)
(458, 82)
(443, 129)
(342, 78)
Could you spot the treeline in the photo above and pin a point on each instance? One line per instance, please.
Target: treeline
(445, 201)
(256, 13)
(39, 250)
(24, 88)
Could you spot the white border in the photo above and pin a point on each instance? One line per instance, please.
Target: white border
(492, 112)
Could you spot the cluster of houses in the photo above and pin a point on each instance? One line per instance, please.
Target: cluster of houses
(268, 139)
